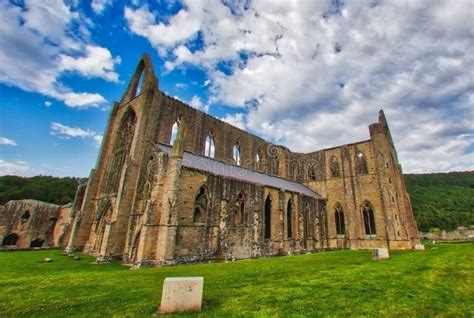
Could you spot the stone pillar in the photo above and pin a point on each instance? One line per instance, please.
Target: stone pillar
(169, 216)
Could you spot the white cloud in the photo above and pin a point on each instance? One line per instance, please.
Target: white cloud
(67, 132)
(32, 40)
(97, 62)
(181, 26)
(6, 141)
(313, 74)
(51, 20)
(83, 99)
(237, 120)
(100, 5)
(198, 104)
(18, 168)
(48, 103)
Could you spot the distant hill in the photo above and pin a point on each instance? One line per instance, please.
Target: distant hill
(442, 200)
(439, 200)
(43, 188)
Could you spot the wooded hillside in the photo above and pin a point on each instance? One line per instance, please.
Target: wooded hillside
(440, 200)
(43, 188)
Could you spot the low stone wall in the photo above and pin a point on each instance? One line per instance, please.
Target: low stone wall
(461, 234)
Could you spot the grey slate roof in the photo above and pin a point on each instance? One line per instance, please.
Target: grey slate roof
(219, 168)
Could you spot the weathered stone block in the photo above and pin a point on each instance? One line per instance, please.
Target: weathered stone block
(181, 294)
(380, 254)
(419, 247)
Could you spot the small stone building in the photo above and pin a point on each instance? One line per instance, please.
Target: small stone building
(32, 223)
(173, 184)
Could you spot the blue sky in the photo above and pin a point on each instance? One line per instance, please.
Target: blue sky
(305, 74)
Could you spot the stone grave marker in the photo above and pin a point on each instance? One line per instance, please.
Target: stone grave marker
(419, 247)
(380, 254)
(181, 294)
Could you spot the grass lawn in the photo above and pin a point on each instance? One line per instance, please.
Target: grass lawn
(436, 282)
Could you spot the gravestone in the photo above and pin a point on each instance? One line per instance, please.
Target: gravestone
(181, 294)
(380, 254)
(419, 247)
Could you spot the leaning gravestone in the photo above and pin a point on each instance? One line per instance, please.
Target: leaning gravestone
(380, 254)
(181, 294)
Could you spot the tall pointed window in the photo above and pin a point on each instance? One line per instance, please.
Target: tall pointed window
(239, 214)
(236, 153)
(200, 205)
(339, 218)
(258, 158)
(369, 219)
(210, 147)
(121, 151)
(267, 230)
(174, 131)
(361, 163)
(141, 79)
(311, 172)
(289, 215)
(334, 167)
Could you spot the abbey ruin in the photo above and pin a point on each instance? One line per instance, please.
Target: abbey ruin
(173, 184)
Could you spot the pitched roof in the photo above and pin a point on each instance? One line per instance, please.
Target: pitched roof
(219, 168)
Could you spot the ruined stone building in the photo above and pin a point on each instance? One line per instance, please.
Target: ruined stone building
(32, 223)
(173, 184)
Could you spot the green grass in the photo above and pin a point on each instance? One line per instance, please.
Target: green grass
(436, 282)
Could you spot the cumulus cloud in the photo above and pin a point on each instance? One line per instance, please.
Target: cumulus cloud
(313, 74)
(38, 43)
(198, 104)
(98, 6)
(97, 62)
(68, 132)
(237, 120)
(48, 103)
(7, 141)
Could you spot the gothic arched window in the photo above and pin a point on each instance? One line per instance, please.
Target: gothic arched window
(339, 218)
(200, 205)
(369, 218)
(120, 150)
(141, 79)
(334, 167)
(236, 153)
(311, 172)
(174, 131)
(361, 163)
(267, 218)
(210, 146)
(258, 160)
(239, 214)
(289, 215)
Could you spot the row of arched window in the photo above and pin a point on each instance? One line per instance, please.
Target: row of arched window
(210, 145)
(367, 214)
(335, 170)
(239, 216)
(334, 167)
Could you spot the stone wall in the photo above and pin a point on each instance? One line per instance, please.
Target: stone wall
(32, 223)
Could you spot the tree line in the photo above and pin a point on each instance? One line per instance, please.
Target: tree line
(439, 200)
